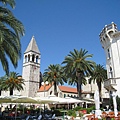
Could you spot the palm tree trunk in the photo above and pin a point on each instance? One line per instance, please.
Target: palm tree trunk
(99, 88)
(11, 91)
(79, 85)
(55, 89)
(0, 92)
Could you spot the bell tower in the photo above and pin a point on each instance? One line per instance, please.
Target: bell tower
(31, 69)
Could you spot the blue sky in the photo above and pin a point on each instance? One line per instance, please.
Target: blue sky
(59, 26)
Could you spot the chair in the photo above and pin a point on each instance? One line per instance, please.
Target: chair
(39, 117)
(27, 117)
(52, 118)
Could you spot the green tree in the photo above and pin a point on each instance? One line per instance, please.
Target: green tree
(98, 75)
(12, 82)
(54, 75)
(77, 64)
(11, 30)
(1, 84)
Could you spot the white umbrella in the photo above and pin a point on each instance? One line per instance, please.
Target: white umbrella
(57, 100)
(115, 104)
(73, 100)
(23, 99)
(7, 99)
(97, 100)
(44, 100)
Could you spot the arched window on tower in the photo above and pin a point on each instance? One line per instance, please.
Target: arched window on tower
(110, 73)
(36, 59)
(25, 58)
(28, 57)
(33, 58)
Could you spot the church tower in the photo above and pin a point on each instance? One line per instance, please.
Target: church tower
(110, 40)
(31, 69)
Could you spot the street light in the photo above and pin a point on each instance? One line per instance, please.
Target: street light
(44, 84)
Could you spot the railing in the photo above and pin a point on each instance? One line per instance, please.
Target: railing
(108, 27)
(109, 82)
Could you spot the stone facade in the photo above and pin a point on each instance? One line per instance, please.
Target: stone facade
(31, 69)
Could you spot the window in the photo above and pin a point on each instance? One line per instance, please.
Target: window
(25, 58)
(110, 73)
(60, 94)
(64, 95)
(50, 92)
(33, 57)
(28, 57)
(36, 59)
(108, 52)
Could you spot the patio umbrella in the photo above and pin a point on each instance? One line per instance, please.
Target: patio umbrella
(115, 104)
(44, 100)
(23, 99)
(7, 99)
(73, 100)
(97, 100)
(97, 104)
(57, 100)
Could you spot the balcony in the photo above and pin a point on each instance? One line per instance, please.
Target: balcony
(110, 83)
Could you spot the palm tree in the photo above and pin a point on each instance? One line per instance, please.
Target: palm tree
(1, 84)
(98, 75)
(12, 82)
(54, 75)
(77, 65)
(11, 30)
(73, 80)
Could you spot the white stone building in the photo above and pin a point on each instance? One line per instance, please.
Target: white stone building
(110, 40)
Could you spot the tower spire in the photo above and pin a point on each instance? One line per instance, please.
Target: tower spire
(32, 46)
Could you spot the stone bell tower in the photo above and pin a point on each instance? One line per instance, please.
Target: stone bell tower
(110, 40)
(31, 69)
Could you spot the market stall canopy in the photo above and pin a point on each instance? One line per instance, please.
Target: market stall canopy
(24, 99)
(73, 100)
(44, 100)
(58, 100)
(7, 99)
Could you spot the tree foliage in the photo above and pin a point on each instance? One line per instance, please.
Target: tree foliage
(77, 67)
(98, 75)
(11, 30)
(12, 82)
(54, 74)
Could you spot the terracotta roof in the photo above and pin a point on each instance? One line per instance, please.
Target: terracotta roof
(71, 90)
(62, 88)
(44, 88)
(67, 89)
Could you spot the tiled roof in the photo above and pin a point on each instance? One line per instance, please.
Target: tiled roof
(68, 89)
(62, 88)
(44, 88)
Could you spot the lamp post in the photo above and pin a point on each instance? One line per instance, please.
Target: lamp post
(44, 85)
